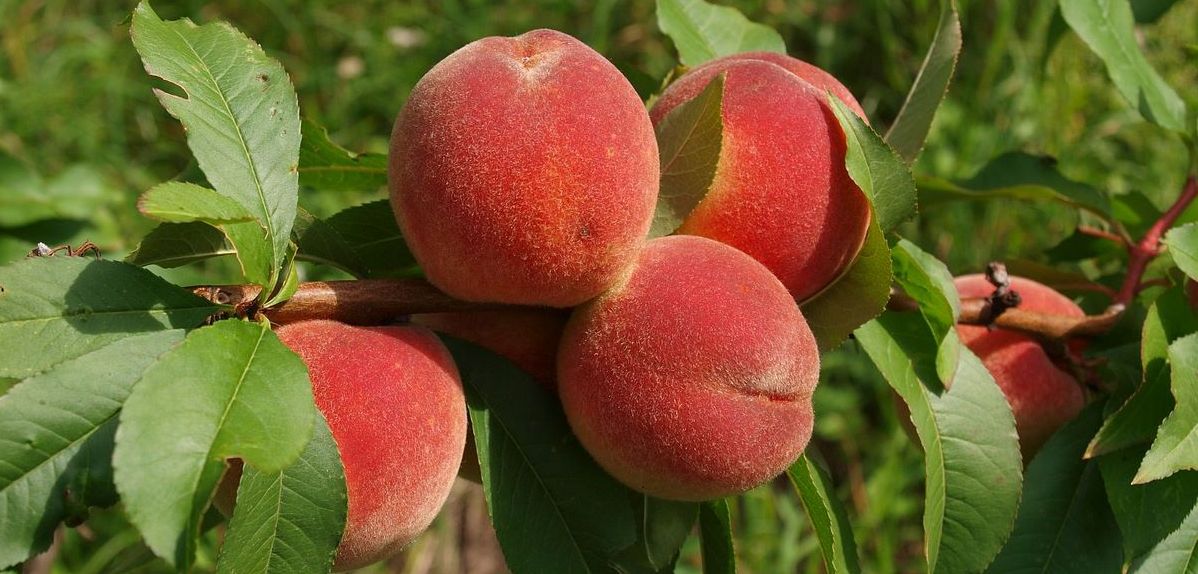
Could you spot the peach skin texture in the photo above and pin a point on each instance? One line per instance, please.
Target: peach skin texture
(692, 378)
(1042, 395)
(781, 192)
(394, 403)
(524, 170)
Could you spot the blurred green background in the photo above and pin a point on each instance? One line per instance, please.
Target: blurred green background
(78, 122)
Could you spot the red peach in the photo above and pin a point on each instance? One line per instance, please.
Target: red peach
(781, 192)
(526, 337)
(1042, 395)
(394, 403)
(524, 170)
(692, 378)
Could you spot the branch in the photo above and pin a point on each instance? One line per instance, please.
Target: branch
(1042, 325)
(1143, 252)
(360, 302)
(1101, 234)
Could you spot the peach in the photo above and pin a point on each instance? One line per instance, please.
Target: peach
(524, 170)
(394, 403)
(692, 378)
(1042, 395)
(781, 192)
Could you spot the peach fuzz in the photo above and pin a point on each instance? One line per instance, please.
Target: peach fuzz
(524, 170)
(526, 337)
(781, 192)
(394, 403)
(692, 378)
(1042, 395)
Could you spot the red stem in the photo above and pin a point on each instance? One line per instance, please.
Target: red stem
(1143, 252)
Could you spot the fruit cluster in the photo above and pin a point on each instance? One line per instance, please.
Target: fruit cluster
(526, 171)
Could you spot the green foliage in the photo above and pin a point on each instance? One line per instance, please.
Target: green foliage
(1183, 246)
(363, 240)
(856, 297)
(910, 128)
(290, 520)
(56, 308)
(1176, 444)
(230, 390)
(828, 516)
(326, 166)
(1146, 513)
(715, 528)
(177, 244)
(176, 202)
(1065, 523)
(248, 153)
(702, 31)
(689, 141)
(56, 431)
(1022, 176)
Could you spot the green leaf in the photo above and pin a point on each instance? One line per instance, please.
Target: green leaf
(1183, 246)
(702, 31)
(56, 433)
(1021, 176)
(827, 515)
(179, 202)
(928, 281)
(1178, 552)
(26, 197)
(241, 116)
(856, 297)
(57, 308)
(230, 390)
(1064, 524)
(1146, 513)
(554, 508)
(1176, 444)
(972, 459)
(910, 128)
(177, 244)
(326, 166)
(876, 168)
(290, 520)
(689, 140)
(1108, 28)
(662, 527)
(363, 240)
(1168, 319)
(715, 531)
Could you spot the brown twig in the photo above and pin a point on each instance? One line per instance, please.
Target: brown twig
(1101, 234)
(361, 302)
(1148, 247)
(1043, 325)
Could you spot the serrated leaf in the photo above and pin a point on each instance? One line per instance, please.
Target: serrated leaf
(1176, 444)
(827, 515)
(1146, 513)
(715, 531)
(326, 166)
(180, 202)
(910, 128)
(242, 121)
(56, 433)
(230, 390)
(1134, 422)
(1020, 176)
(1178, 552)
(856, 297)
(290, 520)
(1183, 246)
(876, 168)
(928, 281)
(57, 308)
(176, 244)
(968, 436)
(689, 140)
(1064, 524)
(702, 31)
(554, 509)
(1108, 28)
(363, 240)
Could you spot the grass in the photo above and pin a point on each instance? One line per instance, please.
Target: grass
(73, 93)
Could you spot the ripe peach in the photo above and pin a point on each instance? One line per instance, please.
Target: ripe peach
(781, 192)
(394, 403)
(1043, 397)
(524, 170)
(692, 378)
